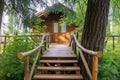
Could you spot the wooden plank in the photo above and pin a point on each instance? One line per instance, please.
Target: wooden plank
(58, 61)
(58, 55)
(86, 65)
(58, 68)
(58, 77)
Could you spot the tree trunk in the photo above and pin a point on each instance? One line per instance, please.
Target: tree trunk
(94, 30)
(1, 12)
(96, 19)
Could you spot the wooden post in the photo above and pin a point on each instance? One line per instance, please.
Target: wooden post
(75, 48)
(41, 51)
(50, 37)
(95, 68)
(70, 40)
(75, 44)
(72, 43)
(45, 44)
(26, 68)
(48, 40)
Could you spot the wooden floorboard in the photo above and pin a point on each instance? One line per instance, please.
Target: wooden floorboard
(60, 50)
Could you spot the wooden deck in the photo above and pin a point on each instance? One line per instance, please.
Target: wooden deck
(59, 50)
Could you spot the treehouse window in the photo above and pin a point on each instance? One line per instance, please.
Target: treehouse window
(55, 27)
(63, 27)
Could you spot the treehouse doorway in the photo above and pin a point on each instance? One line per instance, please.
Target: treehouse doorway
(60, 34)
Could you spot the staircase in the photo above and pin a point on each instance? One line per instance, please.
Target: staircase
(58, 63)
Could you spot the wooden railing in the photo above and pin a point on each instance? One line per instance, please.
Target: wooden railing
(4, 39)
(29, 73)
(114, 38)
(81, 50)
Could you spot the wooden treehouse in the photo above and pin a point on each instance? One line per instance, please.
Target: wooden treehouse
(59, 31)
(60, 61)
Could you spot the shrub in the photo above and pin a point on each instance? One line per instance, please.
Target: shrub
(11, 68)
(110, 68)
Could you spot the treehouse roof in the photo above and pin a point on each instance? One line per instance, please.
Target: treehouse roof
(56, 8)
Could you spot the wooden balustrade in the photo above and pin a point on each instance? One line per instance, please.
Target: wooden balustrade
(96, 54)
(28, 73)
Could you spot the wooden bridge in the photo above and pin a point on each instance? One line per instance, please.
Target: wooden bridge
(60, 61)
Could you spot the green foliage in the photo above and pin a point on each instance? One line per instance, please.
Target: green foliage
(68, 14)
(37, 24)
(11, 25)
(114, 18)
(110, 68)
(23, 10)
(79, 6)
(11, 68)
(116, 10)
(80, 13)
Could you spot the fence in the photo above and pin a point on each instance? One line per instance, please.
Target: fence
(112, 40)
(4, 39)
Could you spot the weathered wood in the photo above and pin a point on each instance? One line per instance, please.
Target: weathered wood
(85, 64)
(75, 48)
(66, 68)
(48, 41)
(95, 68)
(59, 62)
(90, 52)
(57, 77)
(92, 74)
(26, 68)
(34, 64)
(45, 46)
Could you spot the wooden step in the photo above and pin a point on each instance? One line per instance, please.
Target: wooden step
(59, 68)
(58, 53)
(57, 77)
(59, 57)
(58, 61)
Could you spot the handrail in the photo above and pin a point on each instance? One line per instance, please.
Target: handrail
(90, 52)
(96, 54)
(20, 55)
(28, 74)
